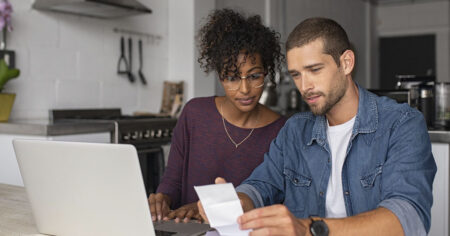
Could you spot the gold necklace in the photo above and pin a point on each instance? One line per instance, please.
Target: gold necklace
(229, 136)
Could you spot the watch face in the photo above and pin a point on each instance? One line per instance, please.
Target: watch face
(319, 228)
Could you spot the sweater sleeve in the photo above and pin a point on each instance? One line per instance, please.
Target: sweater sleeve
(171, 182)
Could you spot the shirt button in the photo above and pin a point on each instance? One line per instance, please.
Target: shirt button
(321, 194)
(347, 193)
(295, 181)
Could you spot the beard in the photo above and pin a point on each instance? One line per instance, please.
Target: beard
(331, 99)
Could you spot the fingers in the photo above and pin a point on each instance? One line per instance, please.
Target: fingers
(171, 215)
(272, 220)
(159, 207)
(202, 213)
(180, 214)
(198, 217)
(185, 213)
(189, 215)
(165, 209)
(220, 180)
(152, 203)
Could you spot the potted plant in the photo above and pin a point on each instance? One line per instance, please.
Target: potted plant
(6, 73)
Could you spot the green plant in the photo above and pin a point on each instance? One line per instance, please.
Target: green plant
(6, 74)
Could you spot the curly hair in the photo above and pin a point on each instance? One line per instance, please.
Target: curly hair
(228, 33)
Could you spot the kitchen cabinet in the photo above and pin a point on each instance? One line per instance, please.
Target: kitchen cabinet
(440, 208)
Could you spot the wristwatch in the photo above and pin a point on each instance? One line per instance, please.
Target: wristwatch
(318, 227)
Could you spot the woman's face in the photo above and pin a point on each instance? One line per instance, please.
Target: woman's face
(245, 89)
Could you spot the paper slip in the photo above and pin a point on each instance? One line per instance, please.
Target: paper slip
(222, 207)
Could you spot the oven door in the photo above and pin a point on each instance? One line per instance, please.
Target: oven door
(152, 164)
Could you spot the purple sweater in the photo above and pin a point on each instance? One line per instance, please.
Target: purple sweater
(201, 151)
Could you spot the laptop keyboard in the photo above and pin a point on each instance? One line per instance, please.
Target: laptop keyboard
(163, 233)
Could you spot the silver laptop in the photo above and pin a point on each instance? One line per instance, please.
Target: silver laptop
(89, 189)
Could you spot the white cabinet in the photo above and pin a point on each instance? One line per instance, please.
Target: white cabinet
(9, 169)
(440, 210)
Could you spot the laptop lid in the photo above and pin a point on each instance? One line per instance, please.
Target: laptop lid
(84, 188)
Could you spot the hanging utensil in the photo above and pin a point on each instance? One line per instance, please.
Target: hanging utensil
(122, 65)
(141, 75)
(130, 64)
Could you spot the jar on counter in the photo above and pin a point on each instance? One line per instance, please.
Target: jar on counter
(426, 105)
(442, 105)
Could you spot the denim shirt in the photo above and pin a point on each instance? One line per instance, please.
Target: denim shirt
(388, 164)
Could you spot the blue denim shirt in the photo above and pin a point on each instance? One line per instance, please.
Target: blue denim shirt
(388, 164)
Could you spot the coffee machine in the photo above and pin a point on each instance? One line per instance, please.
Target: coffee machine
(421, 92)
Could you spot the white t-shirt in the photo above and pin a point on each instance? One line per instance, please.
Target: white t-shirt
(338, 140)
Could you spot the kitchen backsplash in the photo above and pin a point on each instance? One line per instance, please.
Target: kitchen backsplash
(70, 61)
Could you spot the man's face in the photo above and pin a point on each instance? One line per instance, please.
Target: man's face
(318, 78)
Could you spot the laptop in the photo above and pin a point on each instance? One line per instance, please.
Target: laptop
(89, 189)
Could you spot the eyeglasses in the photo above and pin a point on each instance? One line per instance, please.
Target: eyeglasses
(233, 82)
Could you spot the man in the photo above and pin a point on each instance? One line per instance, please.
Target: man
(357, 164)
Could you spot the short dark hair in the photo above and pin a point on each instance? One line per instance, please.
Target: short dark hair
(334, 37)
(228, 33)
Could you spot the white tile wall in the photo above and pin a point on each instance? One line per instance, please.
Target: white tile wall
(184, 21)
(70, 61)
(78, 94)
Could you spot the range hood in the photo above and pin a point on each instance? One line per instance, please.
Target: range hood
(94, 8)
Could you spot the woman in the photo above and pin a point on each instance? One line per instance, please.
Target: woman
(222, 136)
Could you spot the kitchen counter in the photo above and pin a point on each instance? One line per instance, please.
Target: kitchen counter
(16, 217)
(439, 136)
(48, 128)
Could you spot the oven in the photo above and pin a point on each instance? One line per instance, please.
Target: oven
(147, 133)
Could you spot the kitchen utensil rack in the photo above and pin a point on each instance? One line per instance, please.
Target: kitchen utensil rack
(151, 38)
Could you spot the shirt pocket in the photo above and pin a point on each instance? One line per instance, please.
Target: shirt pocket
(297, 189)
(368, 180)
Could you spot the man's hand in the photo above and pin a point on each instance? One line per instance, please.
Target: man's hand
(274, 220)
(186, 212)
(159, 206)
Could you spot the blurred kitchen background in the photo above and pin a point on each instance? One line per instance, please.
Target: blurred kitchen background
(70, 89)
(70, 61)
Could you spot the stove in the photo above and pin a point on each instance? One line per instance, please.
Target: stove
(136, 130)
(147, 133)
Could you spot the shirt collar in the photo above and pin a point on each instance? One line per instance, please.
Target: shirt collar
(366, 120)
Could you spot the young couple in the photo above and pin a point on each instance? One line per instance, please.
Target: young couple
(357, 164)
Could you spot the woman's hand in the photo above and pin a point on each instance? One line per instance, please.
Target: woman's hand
(186, 213)
(159, 205)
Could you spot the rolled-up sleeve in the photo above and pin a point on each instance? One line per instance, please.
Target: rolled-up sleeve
(408, 173)
(252, 193)
(409, 219)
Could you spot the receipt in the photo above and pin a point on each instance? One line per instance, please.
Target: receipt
(222, 207)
